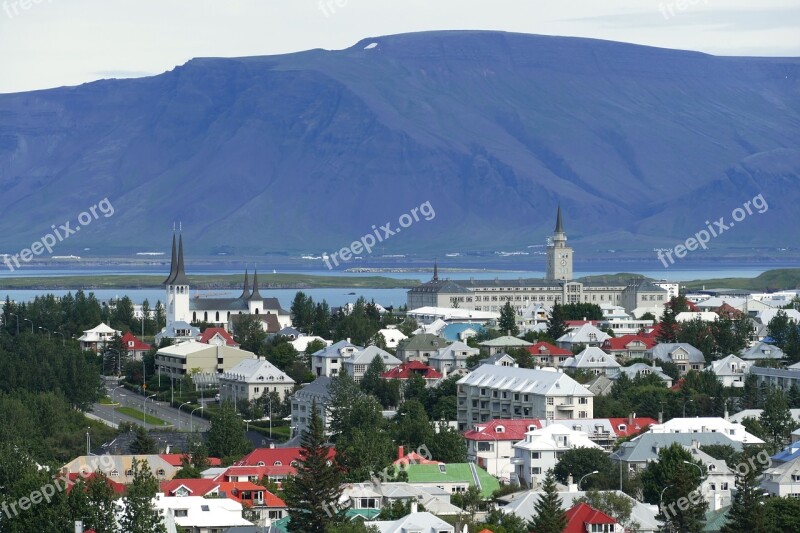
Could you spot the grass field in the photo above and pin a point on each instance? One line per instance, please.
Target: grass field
(137, 414)
(771, 280)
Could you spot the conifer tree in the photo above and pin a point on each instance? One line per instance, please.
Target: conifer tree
(140, 514)
(549, 509)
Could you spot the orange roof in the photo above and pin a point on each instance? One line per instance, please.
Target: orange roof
(405, 370)
(118, 488)
(209, 333)
(621, 342)
(175, 459)
(414, 458)
(580, 515)
(275, 456)
(132, 343)
(545, 348)
(196, 487)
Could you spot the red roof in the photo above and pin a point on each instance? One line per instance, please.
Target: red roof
(118, 488)
(545, 348)
(133, 344)
(678, 384)
(405, 371)
(275, 456)
(209, 333)
(414, 458)
(621, 343)
(639, 424)
(196, 487)
(580, 515)
(175, 459)
(512, 429)
(233, 490)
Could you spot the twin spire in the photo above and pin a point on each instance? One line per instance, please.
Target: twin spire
(177, 273)
(246, 293)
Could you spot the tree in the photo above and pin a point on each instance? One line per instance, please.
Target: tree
(226, 436)
(557, 327)
(140, 515)
(582, 461)
(499, 522)
(782, 514)
(668, 327)
(302, 311)
(746, 513)
(678, 481)
(412, 427)
(92, 501)
(313, 493)
(776, 418)
(508, 320)
(315, 346)
(365, 447)
(549, 509)
(356, 526)
(448, 445)
(143, 443)
(617, 506)
(370, 382)
(470, 501)
(249, 333)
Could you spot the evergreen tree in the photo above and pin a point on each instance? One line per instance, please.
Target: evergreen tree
(776, 419)
(668, 327)
(746, 513)
(448, 445)
(370, 382)
(140, 515)
(92, 501)
(549, 509)
(676, 479)
(312, 495)
(143, 443)
(226, 436)
(556, 327)
(508, 320)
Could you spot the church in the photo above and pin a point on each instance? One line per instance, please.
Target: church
(557, 287)
(183, 310)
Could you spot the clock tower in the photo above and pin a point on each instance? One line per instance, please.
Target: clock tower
(559, 255)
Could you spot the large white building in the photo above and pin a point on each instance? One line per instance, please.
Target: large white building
(492, 391)
(542, 448)
(204, 362)
(251, 378)
(732, 430)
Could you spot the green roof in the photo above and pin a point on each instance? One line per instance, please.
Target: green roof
(716, 519)
(453, 473)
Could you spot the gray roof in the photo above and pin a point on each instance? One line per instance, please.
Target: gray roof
(663, 352)
(762, 350)
(255, 371)
(591, 357)
(368, 354)
(524, 380)
(332, 351)
(505, 341)
(645, 447)
(635, 369)
(316, 390)
(600, 386)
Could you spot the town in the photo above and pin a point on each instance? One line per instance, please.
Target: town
(550, 405)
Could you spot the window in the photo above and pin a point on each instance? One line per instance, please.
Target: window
(549, 401)
(129, 473)
(535, 471)
(536, 455)
(484, 446)
(115, 473)
(181, 513)
(277, 463)
(160, 472)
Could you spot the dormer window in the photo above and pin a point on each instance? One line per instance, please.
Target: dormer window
(277, 463)
(500, 429)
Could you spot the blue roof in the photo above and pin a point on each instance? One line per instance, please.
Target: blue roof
(452, 331)
(789, 453)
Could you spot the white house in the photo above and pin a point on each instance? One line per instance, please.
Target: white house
(200, 515)
(684, 355)
(594, 361)
(251, 378)
(585, 334)
(732, 430)
(357, 364)
(98, 338)
(415, 522)
(542, 448)
(452, 357)
(731, 371)
(392, 336)
(783, 480)
(330, 360)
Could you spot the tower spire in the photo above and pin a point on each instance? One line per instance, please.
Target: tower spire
(246, 289)
(173, 265)
(559, 224)
(435, 270)
(255, 294)
(180, 274)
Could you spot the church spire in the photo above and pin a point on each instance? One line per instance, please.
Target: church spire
(180, 274)
(173, 265)
(255, 295)
(435, 270)
(246, 289)
(559, 224)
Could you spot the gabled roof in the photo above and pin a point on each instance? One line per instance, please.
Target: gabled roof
(195, 487)
(584, 334)
(762, 350)
(257, 371)
(424, 341)
(664, 352)
(545, 348)
(505, 342)
(271, 456)
(210, 333)
(335, 350)
(622, 342)
(449, 352)
(645, 447)
(317, 389)
(581, 514)
(591, 357)
(406, 370)
(365, 357)
(497, 429)
(638, 369)
(722, 367)
(137, 345)
(524, 380)
(118, 488)
(103, 328)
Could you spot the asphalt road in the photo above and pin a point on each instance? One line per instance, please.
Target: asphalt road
(179, 420)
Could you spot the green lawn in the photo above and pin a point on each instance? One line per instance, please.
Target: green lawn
(137, 414)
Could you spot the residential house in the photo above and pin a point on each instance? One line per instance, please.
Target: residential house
(628, 347)
(135, 347)
(414, 368)
(119, 468)
(491, 445)
(420, 347)
(204, 362)
(392, 336)
(453, 477)
(761, 351)
(98, 338)
(330, 360)
(251, 379)
(783, 479)
(502, 344)
(684, 355)
(217, 337)
(415, 522)
(605, 432)
(543, 447)
(377, 496)
(584, 335)
(732, 430)
(317, 393)
(197, 514)
(357, 364)
(592, 360)
(492, 391)
(462, 331)
(498, 359)
(731, 371)
(545, 354)
(452, 357)
(640, 369)
(582, 518)
(636, 454)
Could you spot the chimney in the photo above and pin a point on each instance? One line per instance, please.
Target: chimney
(630, 418)
(661, 417)
(400, 452)
(414, 507)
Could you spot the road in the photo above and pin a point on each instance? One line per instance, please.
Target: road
(178, 420)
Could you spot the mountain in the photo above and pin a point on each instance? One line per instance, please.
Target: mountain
(305, 152)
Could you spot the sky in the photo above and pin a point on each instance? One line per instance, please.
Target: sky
(51, 43)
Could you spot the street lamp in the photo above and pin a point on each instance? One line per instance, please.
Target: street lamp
(144, 409)
(31, 321)
(47, 330)
(181, 405)
(63, 337)
(684, 407)
(12, 314)
(661, 503)
(584, 477)
(699, 469)
(113, 409)
(191, 420)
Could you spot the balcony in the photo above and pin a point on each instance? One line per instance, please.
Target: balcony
(565, 407)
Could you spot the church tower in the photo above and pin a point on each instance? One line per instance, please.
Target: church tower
(177, 288)
(559, 255)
